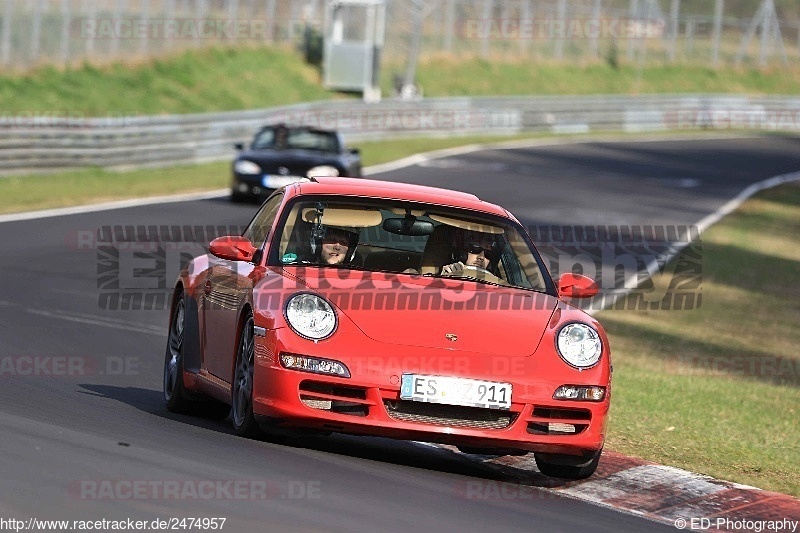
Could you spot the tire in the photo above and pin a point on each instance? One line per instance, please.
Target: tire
(174, 391)
(567, 466)
(244, 423)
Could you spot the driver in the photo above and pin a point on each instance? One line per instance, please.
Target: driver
(478, 254)
(337, 246)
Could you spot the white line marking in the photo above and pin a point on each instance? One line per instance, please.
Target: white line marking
(101, 321)
(106, 206)
(708, 221)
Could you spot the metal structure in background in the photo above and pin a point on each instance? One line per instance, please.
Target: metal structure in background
(409, 89)
(711, 32)
(353, 41)
(766, 22)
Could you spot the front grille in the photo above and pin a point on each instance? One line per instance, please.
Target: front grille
(449, 415)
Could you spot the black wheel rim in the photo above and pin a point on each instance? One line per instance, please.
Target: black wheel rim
(172, 365)
(243, 377)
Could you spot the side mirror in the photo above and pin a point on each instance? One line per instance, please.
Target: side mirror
(232, 248)
(239, 146)
(576, 286)
(355, 151)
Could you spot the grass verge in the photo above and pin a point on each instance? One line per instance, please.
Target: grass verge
(222, 79)
(716, 390)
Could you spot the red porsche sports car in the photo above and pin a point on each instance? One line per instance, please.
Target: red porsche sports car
(393, 310)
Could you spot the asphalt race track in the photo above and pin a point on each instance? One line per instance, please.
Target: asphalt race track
(85, 435)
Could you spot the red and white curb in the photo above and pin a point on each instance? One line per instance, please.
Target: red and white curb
(662, 493)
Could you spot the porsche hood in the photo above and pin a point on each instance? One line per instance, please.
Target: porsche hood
(461, 316)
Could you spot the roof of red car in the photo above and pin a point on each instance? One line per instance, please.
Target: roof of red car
(399, 191)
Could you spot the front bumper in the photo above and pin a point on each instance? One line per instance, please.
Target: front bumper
(372, 406)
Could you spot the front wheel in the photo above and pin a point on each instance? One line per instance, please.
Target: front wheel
(567, 466)
(174, 391)
(244, 423)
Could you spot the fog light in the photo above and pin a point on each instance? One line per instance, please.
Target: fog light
(243, 187)
(316, 365)
(581, 393)
(322, 405)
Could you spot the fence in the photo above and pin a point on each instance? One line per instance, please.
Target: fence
(714, 32)
(30, 143)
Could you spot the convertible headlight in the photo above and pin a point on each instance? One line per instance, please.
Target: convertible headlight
(579, 345)
(322, 170)
(310, 316)
(244, 166)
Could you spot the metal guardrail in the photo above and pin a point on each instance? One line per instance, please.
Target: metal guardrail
(30, 143)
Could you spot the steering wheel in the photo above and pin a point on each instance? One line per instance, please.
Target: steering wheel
(471, 271)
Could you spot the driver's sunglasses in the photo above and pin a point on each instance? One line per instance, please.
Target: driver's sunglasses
(477, 248)
(336, 240)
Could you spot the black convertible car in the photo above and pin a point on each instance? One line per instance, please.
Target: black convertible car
(281, 154)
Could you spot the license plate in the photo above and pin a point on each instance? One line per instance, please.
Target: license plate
(455, 391)
(274, 181)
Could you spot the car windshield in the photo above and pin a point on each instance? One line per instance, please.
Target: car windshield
(407, 239)
(281, 137)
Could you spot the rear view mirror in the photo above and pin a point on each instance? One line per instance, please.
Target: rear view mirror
(408, 226)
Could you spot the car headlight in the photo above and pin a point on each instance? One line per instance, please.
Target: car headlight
(310, 316)
(579, 345)
(244, 166)
(317, 365)
(322, 170)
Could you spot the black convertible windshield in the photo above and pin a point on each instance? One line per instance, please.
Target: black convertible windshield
(286, 138)
(406, 238)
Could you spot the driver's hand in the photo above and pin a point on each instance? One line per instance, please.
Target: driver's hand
(452, 267)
